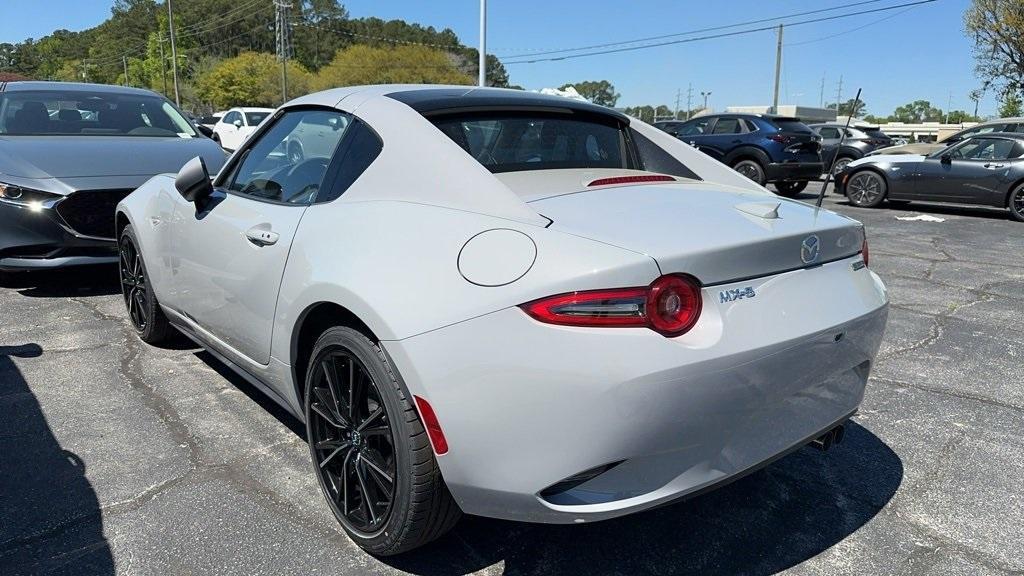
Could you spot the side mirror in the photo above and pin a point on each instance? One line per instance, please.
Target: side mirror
(946, 158)
(237, 123)
(193, 180)
(205, 130)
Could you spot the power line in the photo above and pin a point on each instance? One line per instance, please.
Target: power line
(715, 36)
(851, 30)
(697, 31)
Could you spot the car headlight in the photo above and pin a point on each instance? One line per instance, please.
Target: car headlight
(34, 200)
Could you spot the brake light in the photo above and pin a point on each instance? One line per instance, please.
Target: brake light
(671, 305)
(433, 426)
(631, 179)
(779, 138)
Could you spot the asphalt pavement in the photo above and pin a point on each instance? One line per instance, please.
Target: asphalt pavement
(117, 457)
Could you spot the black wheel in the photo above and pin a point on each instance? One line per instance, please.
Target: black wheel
(751, 169)
(866, 189)
(1016, 203)
(790, 189)
(841, 163)
(143, 309)
(369, 449)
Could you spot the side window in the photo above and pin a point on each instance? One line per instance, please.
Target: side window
(358, 150)
(694, 127)
(289, 161)
(828, 132)
(751, 127)
(231, 117)
(728, 126)
(984, 149)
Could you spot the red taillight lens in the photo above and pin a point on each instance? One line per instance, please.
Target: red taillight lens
(864, 250)
(671, 305)
(779, 138)
(430, 422)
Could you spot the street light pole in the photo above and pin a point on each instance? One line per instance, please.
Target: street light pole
(705, 95)
(778, 70)
(482, 80)
(174, 53)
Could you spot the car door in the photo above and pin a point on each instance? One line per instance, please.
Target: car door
(696, 133)
(232, 251)
(970, 172)
(726, 134)
(830, 137)
(229, 135)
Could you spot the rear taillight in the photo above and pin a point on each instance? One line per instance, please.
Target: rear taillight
(779, 138)
(864, 250)
(671, 306)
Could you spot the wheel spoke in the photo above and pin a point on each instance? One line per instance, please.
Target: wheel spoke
(351, 389)
(378, 469)
(335, 453)
(376, 414)
(367, 504)
(344, 483)
(337, 419)
(325, 414)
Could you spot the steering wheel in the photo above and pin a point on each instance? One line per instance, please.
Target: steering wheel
(309, 172)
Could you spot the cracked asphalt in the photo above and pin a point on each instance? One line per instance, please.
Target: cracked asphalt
(116, 457)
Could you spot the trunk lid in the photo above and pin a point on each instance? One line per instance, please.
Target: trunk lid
(716, 233)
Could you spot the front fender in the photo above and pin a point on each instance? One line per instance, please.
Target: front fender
(150, 212)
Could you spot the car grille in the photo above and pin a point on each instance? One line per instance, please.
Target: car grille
(91, 212)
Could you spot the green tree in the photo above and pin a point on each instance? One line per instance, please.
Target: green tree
(1010, 105)
(251, 79)
(597, 91)
(959, 117)
(997, 27)
(917, 111)
(849, 108)
(361, 64)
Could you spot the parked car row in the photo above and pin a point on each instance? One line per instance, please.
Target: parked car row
(476, 300)
(982, 165)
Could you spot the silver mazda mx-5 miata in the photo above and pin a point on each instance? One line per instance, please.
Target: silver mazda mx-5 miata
(507, 304)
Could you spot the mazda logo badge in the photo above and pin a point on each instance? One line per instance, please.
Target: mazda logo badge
(810, 249)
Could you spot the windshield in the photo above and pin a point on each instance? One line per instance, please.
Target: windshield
(82, 113)
(528, 141)
(254, 118)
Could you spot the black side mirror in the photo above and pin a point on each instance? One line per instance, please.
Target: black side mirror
(946, 158)
(193, 180)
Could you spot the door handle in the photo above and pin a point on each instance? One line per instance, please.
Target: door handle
(993, 166)
(261, 236)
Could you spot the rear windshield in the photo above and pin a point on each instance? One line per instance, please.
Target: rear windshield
(511, 142)
(790, 125)
(876, 134)
(254, 118)
(79, 112)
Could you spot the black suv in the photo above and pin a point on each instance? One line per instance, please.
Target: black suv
(764, 148)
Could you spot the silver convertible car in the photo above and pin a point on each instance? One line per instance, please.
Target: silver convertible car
(987, 170)
(68, 154)
(506, 304)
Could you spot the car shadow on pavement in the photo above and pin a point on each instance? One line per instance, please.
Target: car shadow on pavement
(50, 518)
(769, 521)
(100, 280)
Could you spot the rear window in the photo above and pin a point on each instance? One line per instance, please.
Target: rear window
(876, 134)
(511, 142)
(254, 118)
(790, 125)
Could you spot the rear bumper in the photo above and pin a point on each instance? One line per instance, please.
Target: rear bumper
(526, 405)
(788, 171)
(36, 239)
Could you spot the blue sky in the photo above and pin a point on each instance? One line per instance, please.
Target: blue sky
(899, 56)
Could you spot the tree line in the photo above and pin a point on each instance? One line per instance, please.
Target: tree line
(226, 51)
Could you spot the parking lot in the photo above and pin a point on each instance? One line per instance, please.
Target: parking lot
(119, 456)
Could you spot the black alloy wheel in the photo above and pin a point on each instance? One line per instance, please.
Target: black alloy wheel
(353, 446)
(751, 169)
(133, 284)
(790, 189)
(144, 311)
(370, 450)
(1016, 203)
(865, 189)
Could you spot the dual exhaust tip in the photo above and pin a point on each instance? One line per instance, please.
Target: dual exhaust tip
(829, 439)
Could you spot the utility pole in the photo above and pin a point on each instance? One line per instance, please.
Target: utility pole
(679, 93)
(482, 81)
(689, 100)
(124, 60)
(174, 53)
(839, 94)
(778, 71)
(821, 95)
(283, 44)
(949, 105)
(163, 59)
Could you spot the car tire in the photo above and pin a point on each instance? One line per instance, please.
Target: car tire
(790, 189)
(144, 310)
(866, 189)
(420, 508)
(751, 169)
(1015, 202)
(841, 163)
